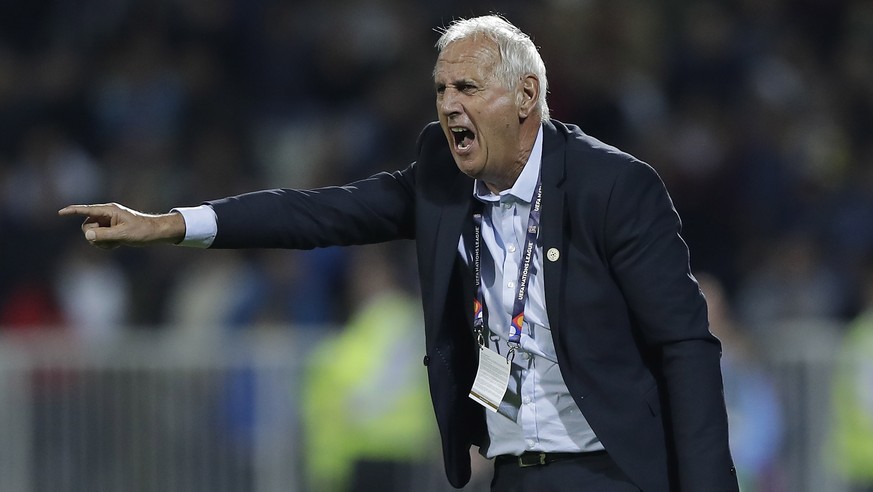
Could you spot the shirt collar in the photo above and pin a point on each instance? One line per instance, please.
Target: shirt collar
(524, 186)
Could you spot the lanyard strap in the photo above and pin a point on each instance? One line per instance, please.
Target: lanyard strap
(524, 273)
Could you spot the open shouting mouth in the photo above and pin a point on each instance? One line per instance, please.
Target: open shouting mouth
(463, 138)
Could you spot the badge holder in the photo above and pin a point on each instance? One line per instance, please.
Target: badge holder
(492, 377)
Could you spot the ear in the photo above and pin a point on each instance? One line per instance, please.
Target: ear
(528, 95)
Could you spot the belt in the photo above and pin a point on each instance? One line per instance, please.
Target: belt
(533, 458)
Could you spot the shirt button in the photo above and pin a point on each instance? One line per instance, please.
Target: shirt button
(511, 285)
(530, 443)
(511, 248)
(526, 400)
(507, 205)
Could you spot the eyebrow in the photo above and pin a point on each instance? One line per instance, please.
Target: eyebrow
(456, 83)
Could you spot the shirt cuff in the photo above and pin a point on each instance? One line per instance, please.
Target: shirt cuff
(201, 225)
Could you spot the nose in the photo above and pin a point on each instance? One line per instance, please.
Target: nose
(448, 103)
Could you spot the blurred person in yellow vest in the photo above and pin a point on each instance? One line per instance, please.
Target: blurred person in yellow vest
(852, 439)
(368, 419)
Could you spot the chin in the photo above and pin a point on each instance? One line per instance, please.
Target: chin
(468, 168)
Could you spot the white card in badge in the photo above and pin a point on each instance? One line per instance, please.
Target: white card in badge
(492, 379)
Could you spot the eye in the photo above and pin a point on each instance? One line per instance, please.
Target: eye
(467, 88)
(440, 89)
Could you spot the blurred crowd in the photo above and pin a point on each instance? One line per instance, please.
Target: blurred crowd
(757, 114)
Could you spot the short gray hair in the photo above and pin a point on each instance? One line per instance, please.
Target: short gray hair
(518, 54)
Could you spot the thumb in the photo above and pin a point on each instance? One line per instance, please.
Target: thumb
(104, 237)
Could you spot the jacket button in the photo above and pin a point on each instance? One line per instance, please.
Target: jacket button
(426, 360)
(733, 471)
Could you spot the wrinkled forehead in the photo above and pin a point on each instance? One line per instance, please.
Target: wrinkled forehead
(474, 54)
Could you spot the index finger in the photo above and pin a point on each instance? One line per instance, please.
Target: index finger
(88, 210)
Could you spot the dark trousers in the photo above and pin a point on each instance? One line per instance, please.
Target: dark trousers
(595, 473)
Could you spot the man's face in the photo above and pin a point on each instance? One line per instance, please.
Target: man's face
(479, 116)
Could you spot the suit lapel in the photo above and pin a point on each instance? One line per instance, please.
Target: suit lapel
(457, 210)
(552, 175)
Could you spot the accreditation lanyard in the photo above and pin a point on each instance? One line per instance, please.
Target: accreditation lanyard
(524, 274)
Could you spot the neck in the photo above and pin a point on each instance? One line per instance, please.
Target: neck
(505, 182)
(527, 138)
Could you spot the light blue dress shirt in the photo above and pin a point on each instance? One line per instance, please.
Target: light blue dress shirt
(537, 412)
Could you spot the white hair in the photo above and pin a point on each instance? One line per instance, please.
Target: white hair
(518, 54)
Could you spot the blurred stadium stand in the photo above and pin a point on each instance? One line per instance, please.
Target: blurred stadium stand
(757, 114)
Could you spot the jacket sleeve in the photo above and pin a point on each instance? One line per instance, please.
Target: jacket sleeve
(650, 262)
(377, 209)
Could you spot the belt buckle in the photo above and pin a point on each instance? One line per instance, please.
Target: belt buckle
(538, 460)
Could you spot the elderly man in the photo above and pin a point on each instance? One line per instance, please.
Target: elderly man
(565, 335)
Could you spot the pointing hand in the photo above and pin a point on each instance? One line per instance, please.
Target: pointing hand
(111, 225)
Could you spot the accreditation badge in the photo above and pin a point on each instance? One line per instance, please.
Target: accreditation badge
(492, 379)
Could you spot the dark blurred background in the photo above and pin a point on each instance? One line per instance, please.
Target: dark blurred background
(757, 114)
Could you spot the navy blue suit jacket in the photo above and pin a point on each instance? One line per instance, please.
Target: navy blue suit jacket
(628, 320)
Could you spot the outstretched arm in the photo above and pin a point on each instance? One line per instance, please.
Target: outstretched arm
(111, 225)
